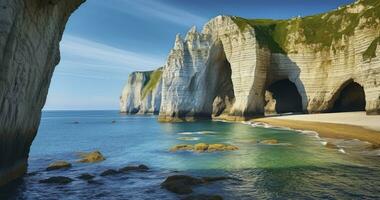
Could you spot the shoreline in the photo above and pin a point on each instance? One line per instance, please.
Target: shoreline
(327, 130)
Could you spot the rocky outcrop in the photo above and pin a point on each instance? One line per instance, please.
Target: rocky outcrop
(237, 68)
(142, 93)
(30, 32)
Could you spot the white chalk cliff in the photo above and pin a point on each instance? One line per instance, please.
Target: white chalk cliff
(30, 32)
(237, 68)
(142, 93)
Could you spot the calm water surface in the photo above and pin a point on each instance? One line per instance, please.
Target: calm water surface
(299, 167)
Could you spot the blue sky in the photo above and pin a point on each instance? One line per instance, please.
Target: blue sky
(105, 40)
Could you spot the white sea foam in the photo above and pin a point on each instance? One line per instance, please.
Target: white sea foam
(197, 133)
(188, 138)
(341, 150)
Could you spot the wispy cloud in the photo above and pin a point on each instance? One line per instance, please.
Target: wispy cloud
(89, 59)
(156, 10)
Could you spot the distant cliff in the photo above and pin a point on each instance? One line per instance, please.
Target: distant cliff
(142, 93)
(237, 68)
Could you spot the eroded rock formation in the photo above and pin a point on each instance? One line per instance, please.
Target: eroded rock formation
(226, 70)
(30, 31)
(142, 93)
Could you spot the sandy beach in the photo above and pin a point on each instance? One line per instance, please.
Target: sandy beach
(349, 125)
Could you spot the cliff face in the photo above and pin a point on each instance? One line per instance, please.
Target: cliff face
(30, 32)
(232, 69)
(142, 93)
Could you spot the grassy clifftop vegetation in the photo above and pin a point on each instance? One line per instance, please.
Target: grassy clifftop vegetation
(320, 30)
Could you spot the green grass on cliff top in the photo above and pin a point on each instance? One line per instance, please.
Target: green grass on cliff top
(371, 51)
(154, 78)
(320, 30)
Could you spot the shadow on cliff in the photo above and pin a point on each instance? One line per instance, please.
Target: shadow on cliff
(283, 80)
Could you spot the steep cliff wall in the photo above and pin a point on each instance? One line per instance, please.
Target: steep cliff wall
(142, 93)
(30, 31)
(226, 70)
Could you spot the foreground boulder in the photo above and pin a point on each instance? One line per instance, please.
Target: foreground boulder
(57, 180)
(91, 157)
(58, 165)
(203, 197)
(182, 184)
(203, 147)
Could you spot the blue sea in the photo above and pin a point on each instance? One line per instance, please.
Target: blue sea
(300, 166)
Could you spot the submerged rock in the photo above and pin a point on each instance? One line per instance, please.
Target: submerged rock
(86, 176)
(203, 197)
(91, 157)
(59, 165)
(273, 141)
(109, 172)
(57, 180)
(203, 147)
(139, 168)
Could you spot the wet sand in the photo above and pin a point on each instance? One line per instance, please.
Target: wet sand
(350, 125)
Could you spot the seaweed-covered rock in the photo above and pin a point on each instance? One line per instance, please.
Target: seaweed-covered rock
(91, 157)
(273, 141)
(59, 165)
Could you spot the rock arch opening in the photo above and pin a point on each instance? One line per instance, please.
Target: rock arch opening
(218, 82)
(282, 97)
(350, 97)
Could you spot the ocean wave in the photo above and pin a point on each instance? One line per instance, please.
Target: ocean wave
(197, 133)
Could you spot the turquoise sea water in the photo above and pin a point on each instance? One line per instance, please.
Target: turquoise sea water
(299, 167)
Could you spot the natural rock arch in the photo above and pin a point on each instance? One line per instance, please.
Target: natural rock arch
(349, 97)
(283, 97)
(219, 82)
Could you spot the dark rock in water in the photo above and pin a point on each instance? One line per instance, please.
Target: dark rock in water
(86, 176)
(139, 168)
(91, 157)
(57, 180)
(58, 165)
(331, 146)
(109, 172)
(217, 178)
(180, 184)
(94, 182)
(76, 122)
(113, 121)
(203, 197)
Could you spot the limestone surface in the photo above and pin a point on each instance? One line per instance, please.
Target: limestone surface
(142, 93)
(226, 70)
(30, 32)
